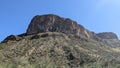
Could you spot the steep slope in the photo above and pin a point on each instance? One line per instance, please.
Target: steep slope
(55, 42)
(54, 23)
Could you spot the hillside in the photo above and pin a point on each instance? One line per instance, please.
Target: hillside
(56, 42)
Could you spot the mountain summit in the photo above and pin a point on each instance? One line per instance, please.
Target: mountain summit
(54, 23)
(56, 42)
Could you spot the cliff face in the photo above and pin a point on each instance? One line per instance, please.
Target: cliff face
(54, 23)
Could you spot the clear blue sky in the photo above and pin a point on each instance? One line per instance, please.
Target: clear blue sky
(95, 15)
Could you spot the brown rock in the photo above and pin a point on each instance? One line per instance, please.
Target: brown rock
(11, 38)
(54, 23)
(107, 35)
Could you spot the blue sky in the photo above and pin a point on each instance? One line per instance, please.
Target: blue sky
(95, 15)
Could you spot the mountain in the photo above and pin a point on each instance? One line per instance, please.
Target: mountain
(54, 23)
(52, 41)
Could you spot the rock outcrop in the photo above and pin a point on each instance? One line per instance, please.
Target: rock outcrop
(54, 23)
(107, 35)
(11, 38)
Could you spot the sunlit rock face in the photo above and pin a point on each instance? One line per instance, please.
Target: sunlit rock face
(54, 23)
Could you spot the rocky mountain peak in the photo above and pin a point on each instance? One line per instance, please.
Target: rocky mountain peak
(54, 23)
(107, 35)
